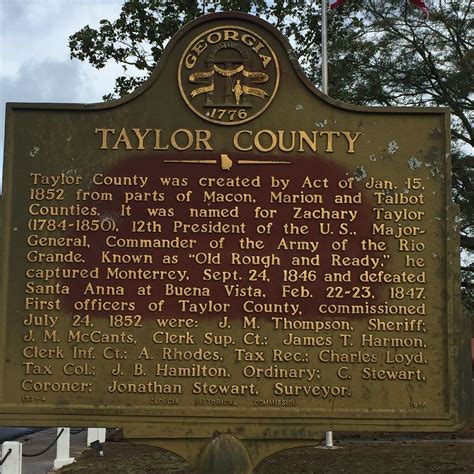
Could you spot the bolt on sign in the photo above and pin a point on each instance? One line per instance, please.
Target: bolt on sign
(230, 248)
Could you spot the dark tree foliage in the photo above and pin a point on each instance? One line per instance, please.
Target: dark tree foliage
(381, 52)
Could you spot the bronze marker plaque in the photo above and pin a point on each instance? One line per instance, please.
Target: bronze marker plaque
(228, 248)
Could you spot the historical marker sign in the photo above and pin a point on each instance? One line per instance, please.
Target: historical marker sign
(230, 246)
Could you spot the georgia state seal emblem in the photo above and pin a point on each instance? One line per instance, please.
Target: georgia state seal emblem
(228, 75)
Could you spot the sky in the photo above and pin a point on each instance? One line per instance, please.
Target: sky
(35, 63)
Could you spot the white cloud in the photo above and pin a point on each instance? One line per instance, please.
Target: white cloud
(48, 81)
(35, 64)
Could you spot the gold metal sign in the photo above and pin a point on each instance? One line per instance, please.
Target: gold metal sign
(229, 250)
